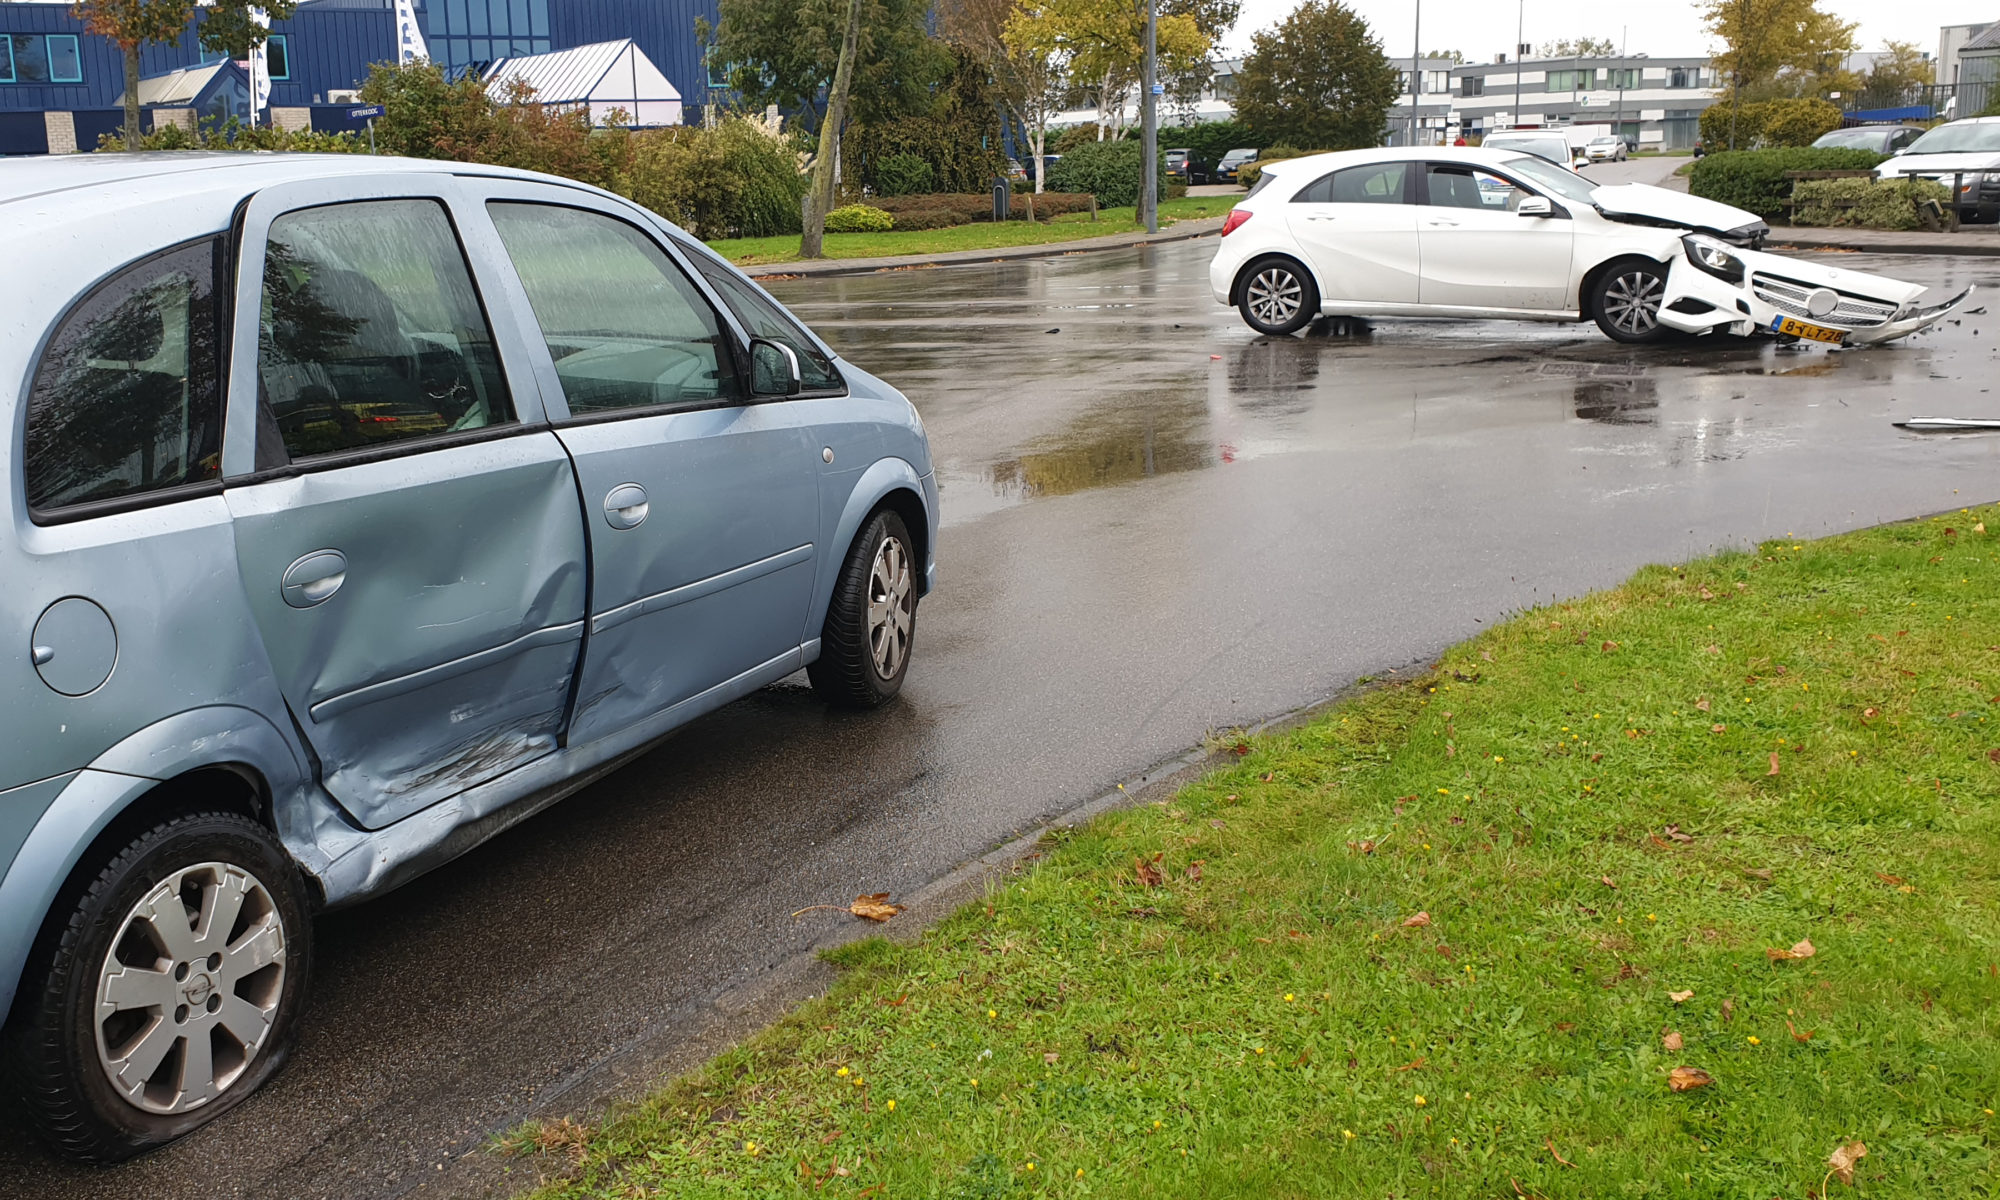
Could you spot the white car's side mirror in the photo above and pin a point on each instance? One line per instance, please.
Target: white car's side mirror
(1535, 206)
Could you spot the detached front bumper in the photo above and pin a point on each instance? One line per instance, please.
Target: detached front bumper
(1698, 302)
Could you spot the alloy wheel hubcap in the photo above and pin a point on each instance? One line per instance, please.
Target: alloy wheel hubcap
(1632, 302)
(189, 990)
(1275, 295)
(891, 608)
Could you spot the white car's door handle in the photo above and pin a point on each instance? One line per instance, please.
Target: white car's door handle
(1437, 224)
(1320, 217)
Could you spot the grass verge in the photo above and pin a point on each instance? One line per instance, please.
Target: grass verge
(1454, 937)
(984, 236)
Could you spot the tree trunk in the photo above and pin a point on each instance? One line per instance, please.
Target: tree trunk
(812, 241)
(1040, 140)
(132, 96)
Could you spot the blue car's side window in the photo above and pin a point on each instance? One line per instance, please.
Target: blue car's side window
(127, 400)
(763, 318)
(625, 327)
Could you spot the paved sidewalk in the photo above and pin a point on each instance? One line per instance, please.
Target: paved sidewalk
(1179, 231)
(1970, 239)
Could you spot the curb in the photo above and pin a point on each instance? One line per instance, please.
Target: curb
(1975, 246)
(1181, 231)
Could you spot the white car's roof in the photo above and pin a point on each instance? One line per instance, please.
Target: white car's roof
(1333, 160)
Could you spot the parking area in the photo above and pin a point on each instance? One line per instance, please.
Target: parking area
(1158, 525)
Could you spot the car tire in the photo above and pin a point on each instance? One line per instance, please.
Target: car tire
(240, 995)
(1277, 296)
(1625, 301)
(871, 621)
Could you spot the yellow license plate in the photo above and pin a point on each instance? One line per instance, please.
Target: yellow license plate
(1813, 333)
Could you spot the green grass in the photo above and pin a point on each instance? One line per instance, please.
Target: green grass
(983, 236)
(1597, 804)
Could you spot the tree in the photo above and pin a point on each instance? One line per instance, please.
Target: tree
(130, 24)
(786, 52)
(1102, 44)
(811, 240)
(1317, 80)
(1774, 49)
(1901, 70)
(1030, 77)
(1583, 47)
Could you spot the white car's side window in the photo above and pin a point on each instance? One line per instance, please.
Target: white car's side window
(1469, 187)
(1374, 183)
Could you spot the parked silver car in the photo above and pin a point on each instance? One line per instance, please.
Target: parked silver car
(359, 509)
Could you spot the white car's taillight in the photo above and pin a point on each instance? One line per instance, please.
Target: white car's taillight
(1236, 217)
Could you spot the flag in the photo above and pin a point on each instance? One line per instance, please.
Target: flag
(409, 37)
(260, 68)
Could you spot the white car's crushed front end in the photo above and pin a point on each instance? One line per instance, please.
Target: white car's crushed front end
(1713, 287)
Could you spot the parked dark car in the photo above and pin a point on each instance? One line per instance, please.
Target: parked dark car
(1882, 139)
(1183, 167)
(1225, 171)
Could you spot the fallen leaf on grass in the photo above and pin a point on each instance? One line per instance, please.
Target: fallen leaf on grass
(874, 907)
(1702, 705)
(1843, 1158)
(1608, 647)
(1891, 880)
(1606, 881)
(1565, 1026)
(1674, 832)
(1807, 1036)
(1686, 1079)
(1681, 997)
(1551, 1144)
(1802, 949)
(1362, 847)
(1659, 841)
(1409, 1066)
(1706, 594)
(1050, 1057)
(1774, 765)
(1417, 922)
(1718, 728)
(1149, 875)
(1671, 1041)
(1729, 1009)
(1758, 872)
(1194, 870)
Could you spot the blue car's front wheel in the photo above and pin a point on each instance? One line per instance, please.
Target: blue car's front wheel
(871, 621)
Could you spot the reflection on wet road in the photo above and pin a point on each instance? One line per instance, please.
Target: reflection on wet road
(1158, 525)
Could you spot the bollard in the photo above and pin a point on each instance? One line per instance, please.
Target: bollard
(1002, 194)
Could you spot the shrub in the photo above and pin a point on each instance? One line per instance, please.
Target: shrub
(732, 180)
(1107, 170)
(1076, 135)
(859, 218)
(211, 134)
(1866, 203)
(1769, 123)
(1755, 179)
(927, 218)
(904, 175)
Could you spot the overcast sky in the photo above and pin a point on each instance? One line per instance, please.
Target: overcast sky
(1483, 28)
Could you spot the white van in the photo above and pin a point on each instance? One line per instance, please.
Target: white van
(1552, 144)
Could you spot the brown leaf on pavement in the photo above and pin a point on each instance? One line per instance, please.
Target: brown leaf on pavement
(1681, 997)
(1686, 1079)
(1774, 764)
(1418, 921)
(1843, 1158)
(1149, 875)
(1801, 949)
(875, 907)
(1671, 1040)
(1807, 1036)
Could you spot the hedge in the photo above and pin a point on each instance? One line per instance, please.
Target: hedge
(1769, 123)
(967, 208)
(1107, 170)
(1755, 179)
(1866, 203)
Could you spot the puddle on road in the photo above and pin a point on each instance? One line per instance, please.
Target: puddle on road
(1046, 378)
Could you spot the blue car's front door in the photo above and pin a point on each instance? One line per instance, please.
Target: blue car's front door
(409, 538)
(702, 507)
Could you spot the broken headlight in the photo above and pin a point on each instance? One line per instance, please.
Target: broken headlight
(1714, 258)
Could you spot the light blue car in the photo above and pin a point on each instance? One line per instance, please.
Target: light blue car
(359, 508)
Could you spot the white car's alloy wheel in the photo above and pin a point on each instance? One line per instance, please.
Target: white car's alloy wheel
(1275, 295)
(1632, 302)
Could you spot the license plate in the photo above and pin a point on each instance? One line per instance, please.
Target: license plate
(1812, 333)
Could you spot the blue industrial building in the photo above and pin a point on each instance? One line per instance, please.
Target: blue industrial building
(62, 88)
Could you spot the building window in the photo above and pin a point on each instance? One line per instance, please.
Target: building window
(1572, 81)
(1472, 85)
(277, 57)
(718, 71)
(39, 58)
(1684, 77)
(1622, 77)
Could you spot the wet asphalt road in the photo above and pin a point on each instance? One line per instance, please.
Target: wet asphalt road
(1157, 525)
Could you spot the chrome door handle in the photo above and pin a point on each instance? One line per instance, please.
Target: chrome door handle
(1319, 217)
(314, 578)
(626, 506)
(1443, 224)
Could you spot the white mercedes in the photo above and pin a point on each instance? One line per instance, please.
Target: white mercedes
(1462, 232)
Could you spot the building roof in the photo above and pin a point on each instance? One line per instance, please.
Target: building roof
(179, 88)
(1989, 40)
(601, 71)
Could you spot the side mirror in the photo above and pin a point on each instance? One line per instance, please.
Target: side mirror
(774, 369)
(1535, 206)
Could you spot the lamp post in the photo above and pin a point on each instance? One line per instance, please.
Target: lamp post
(1416, 73)
(1149, 129)
(1520, 27)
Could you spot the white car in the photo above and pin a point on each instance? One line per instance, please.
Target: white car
(1551, 144)
(1605, 149)
(1450, 232)
(1963, 152)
